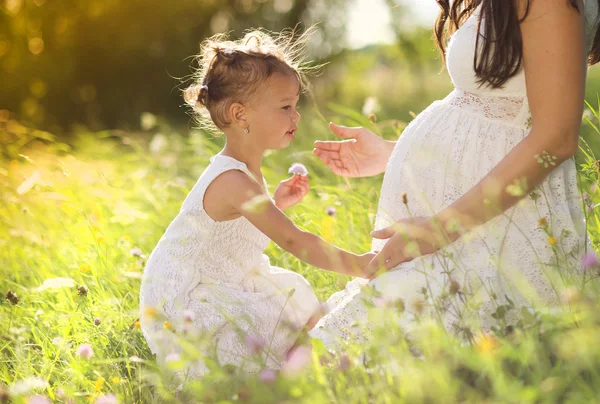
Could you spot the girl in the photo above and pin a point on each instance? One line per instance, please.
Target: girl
(208, 274)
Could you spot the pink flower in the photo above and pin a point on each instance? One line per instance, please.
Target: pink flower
(299, 169)
(85, 351)
(254, 344)
(590, 260)
(330, 211)
(298, 358)
(267, 376)
(38, 399)
(188, 316)
(107, 399)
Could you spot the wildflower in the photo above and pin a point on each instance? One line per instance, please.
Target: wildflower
(373, 118)
(188, 316)
(298, 168)
(267, 376)
(85, 268)
(39, 399)
(552, 241)
(97, 321)
(135, 358)
(85, 351)
(136, 252)
(590, 260)
(486, 344)
(99, 384)
(82, 290)
(116, 379)
(100, 239)
(254, 344)
(404, 198)
(543, 222)
(107, 399)
(12, 297)
(454, 287)
(167, 325)
(150, 312)
(60, 393)
(418, 304)
(298, 358)
(137, 324)
(330, 211)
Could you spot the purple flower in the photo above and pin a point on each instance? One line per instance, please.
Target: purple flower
(330, 211)
(298, 358)
(267, 376)
(85, 351)
(254, 344)
(188, 316)
(97, 321)
(107, 399)
(299, 169)
(590, 260)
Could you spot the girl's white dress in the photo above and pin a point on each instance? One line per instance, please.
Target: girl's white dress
(444, 151)
(211, 279)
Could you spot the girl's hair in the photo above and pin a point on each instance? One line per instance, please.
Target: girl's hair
(230, 71)
(502, 53)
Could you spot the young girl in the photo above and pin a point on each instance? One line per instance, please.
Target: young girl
(208, 274)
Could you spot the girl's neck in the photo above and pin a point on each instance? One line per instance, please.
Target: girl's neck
(252, 157)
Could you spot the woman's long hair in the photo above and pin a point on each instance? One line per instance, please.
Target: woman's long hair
(502, 48)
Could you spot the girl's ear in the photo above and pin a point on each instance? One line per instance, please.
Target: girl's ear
(237, 112)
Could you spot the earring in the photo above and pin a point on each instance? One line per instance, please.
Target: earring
(246, 130)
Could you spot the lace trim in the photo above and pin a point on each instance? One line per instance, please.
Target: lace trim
(513, 110)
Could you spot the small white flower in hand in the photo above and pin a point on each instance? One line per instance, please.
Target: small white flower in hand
(298, 168)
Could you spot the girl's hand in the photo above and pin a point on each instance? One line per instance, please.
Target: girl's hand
(408, 239)
(291, 191)
(364, 153)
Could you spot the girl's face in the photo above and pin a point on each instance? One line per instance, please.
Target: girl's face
(272, 116)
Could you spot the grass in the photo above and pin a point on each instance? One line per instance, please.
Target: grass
(78, 220)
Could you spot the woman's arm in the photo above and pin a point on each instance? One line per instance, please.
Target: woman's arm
(555, 71)
(247, 197)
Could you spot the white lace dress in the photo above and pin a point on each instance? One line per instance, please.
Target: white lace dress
(442, 154)
(211, 279)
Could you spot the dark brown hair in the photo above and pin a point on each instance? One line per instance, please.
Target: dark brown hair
(230, 71)
(502, 48)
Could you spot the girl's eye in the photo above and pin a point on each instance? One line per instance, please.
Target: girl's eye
(287, 107)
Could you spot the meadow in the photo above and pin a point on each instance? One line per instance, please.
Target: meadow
(79, 218)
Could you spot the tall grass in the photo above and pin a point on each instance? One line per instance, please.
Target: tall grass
(77, 222)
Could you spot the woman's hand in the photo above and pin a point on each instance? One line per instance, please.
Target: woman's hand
(364, 153)
(408, 239)
(291, 191)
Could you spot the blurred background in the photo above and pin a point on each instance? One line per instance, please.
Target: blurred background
(94, 65)
(101, 64)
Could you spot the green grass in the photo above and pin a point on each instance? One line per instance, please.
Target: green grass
(76, 212)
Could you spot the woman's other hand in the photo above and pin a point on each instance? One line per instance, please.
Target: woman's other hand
(363, 154)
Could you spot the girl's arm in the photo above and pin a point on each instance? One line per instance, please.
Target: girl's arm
(555, 71)
(248, 198)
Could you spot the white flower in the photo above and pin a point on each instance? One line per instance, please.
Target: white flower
(299, 169)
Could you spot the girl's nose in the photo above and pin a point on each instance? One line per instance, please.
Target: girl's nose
(296, 117)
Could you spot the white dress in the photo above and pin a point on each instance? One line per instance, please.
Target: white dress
(215, 276)
(446, 150)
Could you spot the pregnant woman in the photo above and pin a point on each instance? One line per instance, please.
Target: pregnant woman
(490, 168)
